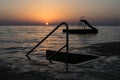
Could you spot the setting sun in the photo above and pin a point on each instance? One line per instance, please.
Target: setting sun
(46, 24)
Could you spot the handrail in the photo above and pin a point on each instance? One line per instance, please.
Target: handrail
(67, 38)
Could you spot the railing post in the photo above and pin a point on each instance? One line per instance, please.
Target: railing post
(67, 45)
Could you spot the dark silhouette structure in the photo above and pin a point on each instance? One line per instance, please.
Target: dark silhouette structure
(83, 30)
(71, 58)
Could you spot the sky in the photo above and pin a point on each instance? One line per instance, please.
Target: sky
(99, 12)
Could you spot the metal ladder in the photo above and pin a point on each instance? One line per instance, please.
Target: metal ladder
(66, 45)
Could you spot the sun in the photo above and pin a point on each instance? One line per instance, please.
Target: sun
(46, 23)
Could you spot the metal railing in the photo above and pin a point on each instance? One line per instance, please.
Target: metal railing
(67, 38)
(66, 45)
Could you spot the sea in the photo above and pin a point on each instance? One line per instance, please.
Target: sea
(16, 41)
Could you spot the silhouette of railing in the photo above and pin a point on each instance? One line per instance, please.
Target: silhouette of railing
(66, 45)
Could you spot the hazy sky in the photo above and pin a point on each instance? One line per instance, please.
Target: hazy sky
(99, 12)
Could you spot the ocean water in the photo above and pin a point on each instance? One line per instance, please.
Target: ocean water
(23, 38)
(16, 41)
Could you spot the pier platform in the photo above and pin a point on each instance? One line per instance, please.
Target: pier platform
(82, 29)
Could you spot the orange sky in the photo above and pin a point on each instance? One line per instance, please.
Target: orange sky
(53, 11)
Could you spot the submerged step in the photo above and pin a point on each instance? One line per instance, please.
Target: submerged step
(71, 58)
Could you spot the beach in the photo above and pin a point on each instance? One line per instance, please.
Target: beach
(107, 68)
